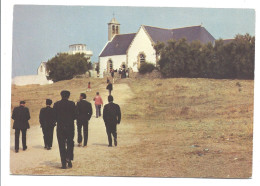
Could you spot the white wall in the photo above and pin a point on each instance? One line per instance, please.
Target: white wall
(43, 72)
(141, 43)
(117, 62)
(29, 80)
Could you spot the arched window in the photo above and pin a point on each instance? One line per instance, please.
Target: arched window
(141, 59)
(116, 29)
(113, 29)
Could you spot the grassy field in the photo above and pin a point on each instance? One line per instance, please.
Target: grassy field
(183, 127)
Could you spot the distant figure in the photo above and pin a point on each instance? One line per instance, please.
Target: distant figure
(120, 73)
(89, 87)
(84, 113)
(112, 75)
(109, 87)
(112, 118)
(47, 121)
(21, 115)
(98, 102)
(107, 80)
(65, 114)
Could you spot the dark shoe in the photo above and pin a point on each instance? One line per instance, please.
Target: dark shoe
(115, 143)
(48, 148)
(63, 165)
(69, 164)
(16, 151)
(109, 145)
(24, 148)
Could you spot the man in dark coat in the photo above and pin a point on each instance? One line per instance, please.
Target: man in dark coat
(112, 117)
(84, 113)
(21, 115)
(47, 121)
(65, 114)
(109, 87)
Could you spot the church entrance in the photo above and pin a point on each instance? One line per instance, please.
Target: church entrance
(109, 66)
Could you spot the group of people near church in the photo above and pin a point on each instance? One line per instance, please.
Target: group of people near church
(63, 114)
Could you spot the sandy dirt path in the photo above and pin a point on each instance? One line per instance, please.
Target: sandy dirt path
(95, 159)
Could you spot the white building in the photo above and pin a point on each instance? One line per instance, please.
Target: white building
(39, 79)
(130, 50)
(80, 48)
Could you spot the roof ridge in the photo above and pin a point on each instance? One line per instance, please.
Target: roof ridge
(187, 27)
(124, 34)
(174, 28)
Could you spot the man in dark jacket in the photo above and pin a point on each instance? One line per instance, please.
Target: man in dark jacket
(65, 114)
(47, 121)
(112, 117)
(84, 113)
(109, 87)
(21, 115)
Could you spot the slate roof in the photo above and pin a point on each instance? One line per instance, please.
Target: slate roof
(118, 46)
(190, 33)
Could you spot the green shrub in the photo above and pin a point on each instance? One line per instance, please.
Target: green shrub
(146, 67)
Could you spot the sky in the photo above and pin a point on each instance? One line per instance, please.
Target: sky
(41, 31)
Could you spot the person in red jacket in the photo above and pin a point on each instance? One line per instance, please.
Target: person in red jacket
(98, 102)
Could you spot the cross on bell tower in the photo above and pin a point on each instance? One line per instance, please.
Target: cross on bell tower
(113, 28)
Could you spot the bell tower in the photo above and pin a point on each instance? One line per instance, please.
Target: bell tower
(113, 28)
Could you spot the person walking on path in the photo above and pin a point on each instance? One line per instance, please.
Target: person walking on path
(21, 116)
(112, 118)
(98, 102)
(109, 87)
(84, 113)
(89, 87)
(112, 75)
(65, 114)
(47, 121)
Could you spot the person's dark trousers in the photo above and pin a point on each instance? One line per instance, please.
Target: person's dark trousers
(44, 131)
(85, 132)
(48, 136)
(99, 110)
(109, 92)
(66, 144)
(111, 130)
(17, 136)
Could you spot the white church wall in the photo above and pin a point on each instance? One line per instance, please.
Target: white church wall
(140, 44)
(117, 62)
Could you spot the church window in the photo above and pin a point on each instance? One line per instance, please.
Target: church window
(116, 29)
(142, 58)
(113, 29)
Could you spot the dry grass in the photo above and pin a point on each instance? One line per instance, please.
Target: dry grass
(194, 127)
(173, 128)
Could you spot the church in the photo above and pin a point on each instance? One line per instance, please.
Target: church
(130, 50)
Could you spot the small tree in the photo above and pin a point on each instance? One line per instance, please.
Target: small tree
(64, 66)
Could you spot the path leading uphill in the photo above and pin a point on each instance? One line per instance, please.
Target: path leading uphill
(95, 159)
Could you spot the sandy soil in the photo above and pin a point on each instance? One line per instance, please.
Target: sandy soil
(37, 160)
